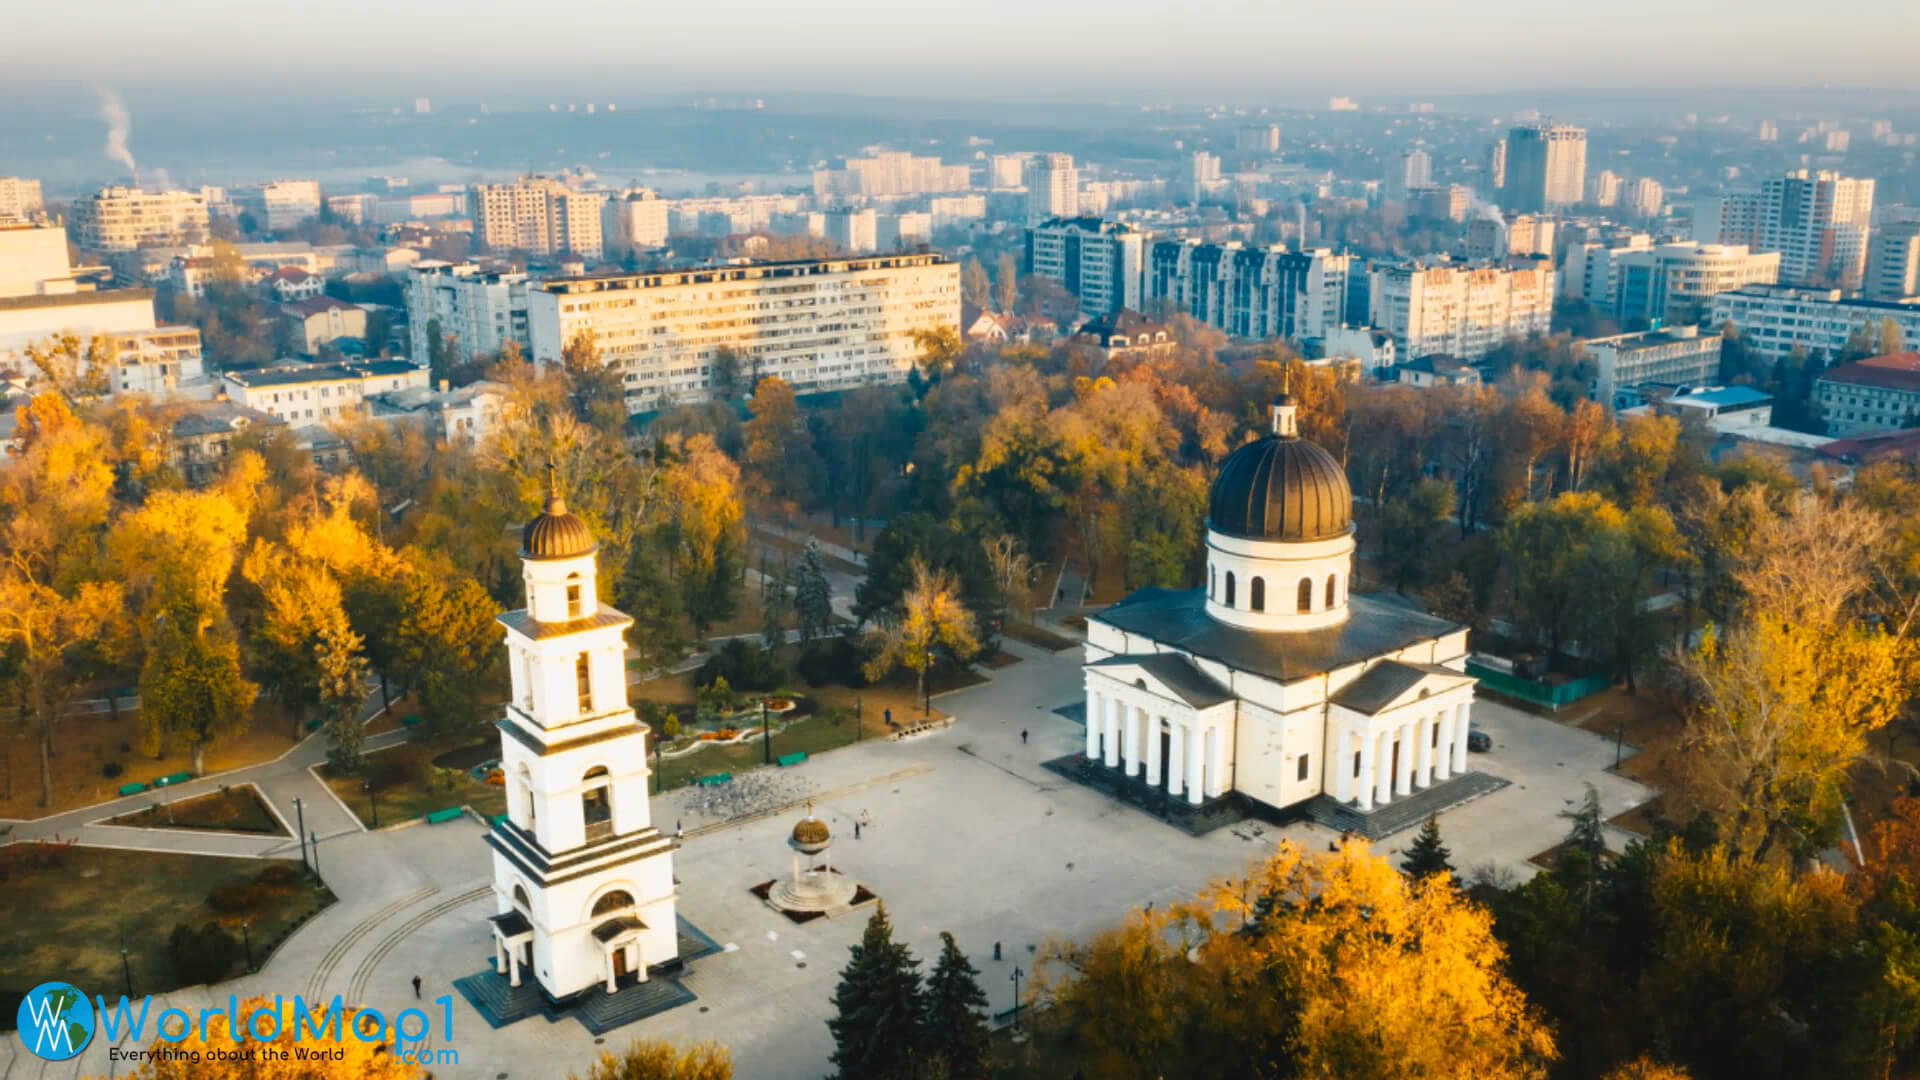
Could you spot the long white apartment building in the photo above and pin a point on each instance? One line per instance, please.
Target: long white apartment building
(890, 173)
(125, 218)
(819, 324)
(478, 310)
(1251, 292)
(1773, 319)
(1676, 283)
(1461, 311)
(1100, 262)
(1682, 356)
(320, 393)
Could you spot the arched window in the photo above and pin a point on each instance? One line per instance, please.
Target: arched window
(1306, 595)
(583, 677)
(1229, 599)
(1257, 593)
(520, 900)
(526, 795)
(613, 901)
(575, 606)
(596, 803)
(1331, 588)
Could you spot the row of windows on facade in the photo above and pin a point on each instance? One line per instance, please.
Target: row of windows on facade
(1257, 598)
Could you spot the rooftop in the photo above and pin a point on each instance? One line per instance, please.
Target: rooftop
(1893, 371)
(78, 299)
(747, 272)
(1723, 397)
(1177, 618)
(1177, 673)
(318, 305)
(296, 374)
(1864, 449)
(215, 417)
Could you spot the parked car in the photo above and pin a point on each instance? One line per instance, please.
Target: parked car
(1479, 741)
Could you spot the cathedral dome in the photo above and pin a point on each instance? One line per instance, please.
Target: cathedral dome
(555, 533)
(1281, 487)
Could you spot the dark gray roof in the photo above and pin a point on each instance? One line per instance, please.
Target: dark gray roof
(1177, 618)
(295, 374)
(616, 926)
(511, 923)
(1385, 681)
(1177, 673)
(533, 628)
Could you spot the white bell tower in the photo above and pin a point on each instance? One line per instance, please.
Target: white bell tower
(582, 881)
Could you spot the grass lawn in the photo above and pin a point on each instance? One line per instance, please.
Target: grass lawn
(1036, 636)
(234, 809)
(67, 914)
(811, 735)
(400, 789)
(85, 747)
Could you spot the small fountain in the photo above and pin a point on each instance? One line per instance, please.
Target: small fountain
(815, 888)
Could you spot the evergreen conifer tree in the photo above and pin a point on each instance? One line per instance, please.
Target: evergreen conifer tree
(1588, 832)
(812, 596)
(876, 1027)
(956, 1026)
(1427, 855)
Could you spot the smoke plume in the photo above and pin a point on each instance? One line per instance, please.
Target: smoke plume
(113, 112)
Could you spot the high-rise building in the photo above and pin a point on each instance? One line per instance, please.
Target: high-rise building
(819, 324)
(1497, 164)
(125, 218)
(1462, 312)
(1676, 283)
(1775, 319)
(1416, 171)
(1053, 188)
(1838, 141)
(475, 312)
(1893, 262)
(1099, 262)
(19, 197)
(282, 204)
(1646, 197)
(1589, 268)
(1257, 139)
(1006, 170)
(1546, 168)
(1606, 188)
(1203, 174)
(1769, 131)
(1251, 292)
(634, 220)
(889, 174)
(1817, 221)
(1449, 202)
(1490, 238)
(538, 215)
(854, 231)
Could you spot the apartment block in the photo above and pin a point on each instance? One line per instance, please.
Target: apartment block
(1775, 319)
(1460, 311)
(821, 324)
(1676, 283)
(1873, 396)
(1490, 238)
(1893, 261)
(1682, 356)
(1589, 268)
(19, 197)
(318, 393)
(1257, 138)
(1646, 197)
(159, 362)
(1817, 221)
(1448, 202)
(634, 220)
(1606, 188)
(854, 231)
(1053, 187)
(33, 259)
(1100, 262)
(1006, 170)
(537, 215)
(890, 174)
(481, 312)
(283, 204)
(1251, 292)
(125, 218)
(1546, 168)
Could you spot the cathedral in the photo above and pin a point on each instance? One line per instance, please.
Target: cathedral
(583, 881)
(1272, 690)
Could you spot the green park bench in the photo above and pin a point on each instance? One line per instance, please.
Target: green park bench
(440, 816)
(794, 758)
(495, 820)
(175, 778)
(715, 778)
(409, 721)
(134, 788)
(313, 725)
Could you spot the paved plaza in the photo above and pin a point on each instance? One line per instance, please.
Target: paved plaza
(969, 834)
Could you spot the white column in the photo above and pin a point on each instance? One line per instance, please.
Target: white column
(1403, 784)
(1215, 784)
(1110, 727)
(606, 958)
(1461, 726)
(1176, 761)
(1130, 739)
(1094, 706)
(1423, 751)
(1153, 749)
(1443, 754)
(513, 965)
(1365, 780)
(1196, 789)
(1383, 768)
(499, 956)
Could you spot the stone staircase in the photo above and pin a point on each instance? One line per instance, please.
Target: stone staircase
(1404, 812)
(500, 1004)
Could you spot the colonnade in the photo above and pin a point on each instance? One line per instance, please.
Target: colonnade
(1432, 747)
(1126, 734)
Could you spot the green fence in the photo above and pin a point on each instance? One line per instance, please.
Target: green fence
(1545, 695)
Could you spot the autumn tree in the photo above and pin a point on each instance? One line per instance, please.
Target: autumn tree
(877, 1022)
(594, 389)
(657, 1059)
(974, 286)
(779, 461)
(45, 628)
(205, 1050)
(700, 534)
(939, 348)
(191, 688)
(76, 370)
(931, 618)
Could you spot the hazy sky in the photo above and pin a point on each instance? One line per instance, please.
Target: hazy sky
(1122, 49)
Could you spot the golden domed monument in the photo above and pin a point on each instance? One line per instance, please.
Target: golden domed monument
(815, 887)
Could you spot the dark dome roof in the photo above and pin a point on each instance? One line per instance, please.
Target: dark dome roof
(556, 534)
(1280, 488)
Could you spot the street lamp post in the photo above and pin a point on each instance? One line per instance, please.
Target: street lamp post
(1017, 973)
(126, 970)
(315, 842)
(766, 736)
(301, 813)
(246, 941)
(373, 801)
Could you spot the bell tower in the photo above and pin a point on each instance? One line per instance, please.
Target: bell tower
(583, 882)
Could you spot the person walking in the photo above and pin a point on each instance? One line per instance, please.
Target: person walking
(856, 830)
(416, 987)
(1023, 736)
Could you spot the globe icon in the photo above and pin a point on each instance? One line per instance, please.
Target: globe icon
(55, 1021)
